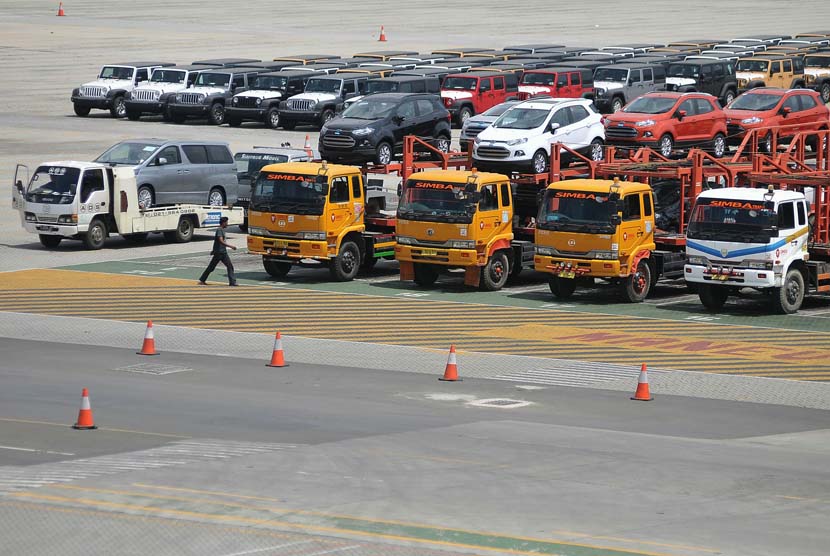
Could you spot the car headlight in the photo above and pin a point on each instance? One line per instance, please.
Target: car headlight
(235, 100)
(253, 231)
(362, 131)
(752, 120)
(30, 217)
(702, 261)
(548, 251)
(644, 123)
(463, 244)
(405, 240)
(519, 141)
(312, 103)
(600, 91)
(811, 78)
(68, 219)
(607, 255)
(448, 102)
(80, 91)
(316, 236)
(258, 101)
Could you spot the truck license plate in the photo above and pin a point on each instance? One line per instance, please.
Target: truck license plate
(429, 252)
(722, 277)
(281, 244)
(567, 274)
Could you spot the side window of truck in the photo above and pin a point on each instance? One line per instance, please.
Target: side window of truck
(631, 210)
(647, 204)
(499, 83)
(356, 192)
(484, 85)
(786, 216)
(788, 66)
(339, 190)
(141, 75)
(648, 75)
(505, 194)
(775, 67)
(802, 215)
(93, 181)
(489, 201)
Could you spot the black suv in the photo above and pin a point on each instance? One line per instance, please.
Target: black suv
(261, 102)
(372, 129)
(716, 77)
(323, 97)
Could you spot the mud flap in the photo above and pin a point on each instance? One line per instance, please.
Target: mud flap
(407, 271)
(472, 276)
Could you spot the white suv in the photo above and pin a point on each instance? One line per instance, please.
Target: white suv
(521, 138)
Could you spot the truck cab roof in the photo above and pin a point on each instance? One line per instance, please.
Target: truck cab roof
(600, 186)
(458, 176)
(312, 168)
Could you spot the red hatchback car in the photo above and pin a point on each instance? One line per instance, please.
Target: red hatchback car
(665, 120)
(795, 109)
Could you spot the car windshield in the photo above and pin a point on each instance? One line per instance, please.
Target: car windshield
(459, 83)
(168, 76)
(288, 193)
(732, 220)
(752, 65)
(499, 109)
(209, 79)
(755, 101)
(435, 201)
(650, 105)
(115, 72)
(53, 185)
(683, 70)
(249, 164)
(270, 82)
(323, 86)
(817, 61)
(538, 79)
(370, 109)
(583, 211)
(611, 74)
(130, 153)
(522, 118)
(382, 86)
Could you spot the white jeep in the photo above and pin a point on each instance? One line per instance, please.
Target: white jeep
(151, 97)
(109, 90)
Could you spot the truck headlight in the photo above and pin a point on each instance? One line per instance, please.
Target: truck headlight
(644, 123)
(752, 120)
(315, 236)
(463, 244)
(236, 100)
(811, 78)
(30, 217)
(519, 141)
(312, 103)
(547, 251)
(404, 240)
(760, 265)
(252, 231)
(258, 101)
(607, 255)
(68, 219)
(701, 261)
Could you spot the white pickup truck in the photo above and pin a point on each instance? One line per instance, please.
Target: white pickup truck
(90, 201)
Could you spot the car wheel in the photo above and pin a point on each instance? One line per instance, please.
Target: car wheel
(442, 143)
(712, 297)
(825, 93)
(276, 269)
(383, 153)
(788, 298)
(50, 242)
(425, 274)
(617, 104)
(119, 107)
(289, 125)
(666, 145)
(561, 288)
(234, 122)
(765, 144)
(638, 284)
(133, 116)
(718, 145)
(217, 114)
(272, 118)
(597, 153)
(464, 114)
(146, 197)
(539, 162)
(345, 265)
(81, 111)
(495, 273)
(728, 97)
(95, 235)
(216, 197)
(326, 116)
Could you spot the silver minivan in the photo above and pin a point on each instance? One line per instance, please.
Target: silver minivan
(170, 172)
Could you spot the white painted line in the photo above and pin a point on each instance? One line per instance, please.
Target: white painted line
(277, 547)
(33, 450)
(682, 299)
(334, 550)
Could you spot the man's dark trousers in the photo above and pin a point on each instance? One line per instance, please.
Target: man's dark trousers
(215, 260)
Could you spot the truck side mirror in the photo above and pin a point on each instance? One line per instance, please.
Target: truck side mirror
(19, 186)
(616, 219)
(630, 82)
(323, 182)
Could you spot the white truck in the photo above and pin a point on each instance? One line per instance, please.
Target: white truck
(741, 237)
(89, 201)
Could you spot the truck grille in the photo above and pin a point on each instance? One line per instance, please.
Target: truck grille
(191, 98)
(493, 152)
(94, 91)
(299, 104)
(245, 102)
(614, 132)
(146, 95)
(338, 141)
(46, 218)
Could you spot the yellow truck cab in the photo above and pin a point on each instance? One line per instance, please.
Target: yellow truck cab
(589, 229)
(458, 219)
(315, 214)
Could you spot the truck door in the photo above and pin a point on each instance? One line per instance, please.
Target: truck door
(489, 213)
(21, 181)
(486, 95)
(93, 197)
(340, 211)
(631, 228)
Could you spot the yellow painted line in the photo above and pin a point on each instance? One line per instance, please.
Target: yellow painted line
(357, 532)
(638, 541)
(48, 278)
(129, 431)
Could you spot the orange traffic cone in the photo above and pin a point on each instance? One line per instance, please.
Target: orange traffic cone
(307, 147)
(451, 372)
(382, 37)
(60, 10)
(642, 393)
(278, 357)
(85, 421)
(149, 345)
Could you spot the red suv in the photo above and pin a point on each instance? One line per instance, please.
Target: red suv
(557, 83)
(471, 93)
(665, 120)
(798, 109)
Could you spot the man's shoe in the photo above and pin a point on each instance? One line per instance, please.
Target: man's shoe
(234, 284)
(202, 283)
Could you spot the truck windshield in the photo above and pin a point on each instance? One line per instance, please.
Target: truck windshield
(817, 61)
(248, 165)
(322, 86)
(576, 211)
(270, 82)
(116, 72)
(288, 193)
(522, 118)
(752, 65)
(683, 70)
(435, 202)
(755, 101)
(207, 79)
(459, 84)
(733, 220)
(167, 76)
(53, 185)
(130, 153)
(531, 78)
(611, 74)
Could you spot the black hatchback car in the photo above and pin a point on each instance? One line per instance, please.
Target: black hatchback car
(373, 128)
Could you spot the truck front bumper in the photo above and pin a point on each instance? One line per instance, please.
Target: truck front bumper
(288, 249)
(50, 229)
(575, 268)
(731, 276)
(438, 256)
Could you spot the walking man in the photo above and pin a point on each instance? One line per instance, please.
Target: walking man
(220, 253)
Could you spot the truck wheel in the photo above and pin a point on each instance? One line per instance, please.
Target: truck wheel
(617, 104)
(425, 274)
(146, 198)
(718, 145)
(276, 269)
(825, 93)
(289, 125)
(95, 236)
(728, 97)
(184, 231)
(539, 162)
(216, 197)
(119, 107)
(272, 118)
(345, 265)
(638, 284)
(217, 113)
(788, 298)
(765, 144)
(464, 114)
(442, 143)
(495, 272)
(712, 297)
(562, 288)
(326, 116)
(50, 242)
(383, 153)
(81, 111)
(666, 145)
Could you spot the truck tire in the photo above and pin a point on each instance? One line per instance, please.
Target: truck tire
(326, 116)
(638, 284)
(50, 242)
(425, 274)
(119, 107)
(81, 111)
(463, 115)
(183, 232)
(728, 97)
(495, 273)
(562, 288)
(94, 237)
(272, 118)
(345, 265)
(787, 299)
(617, 104)
(216, 116)
(824, 91)
(712, 297)
(276, 269)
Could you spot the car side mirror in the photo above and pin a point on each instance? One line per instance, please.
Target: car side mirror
(161, 161)
(554, 126)
(681, 114)
(233, 87)
(630, 82)
(398, 119)
(785, 111)
(616, 220)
